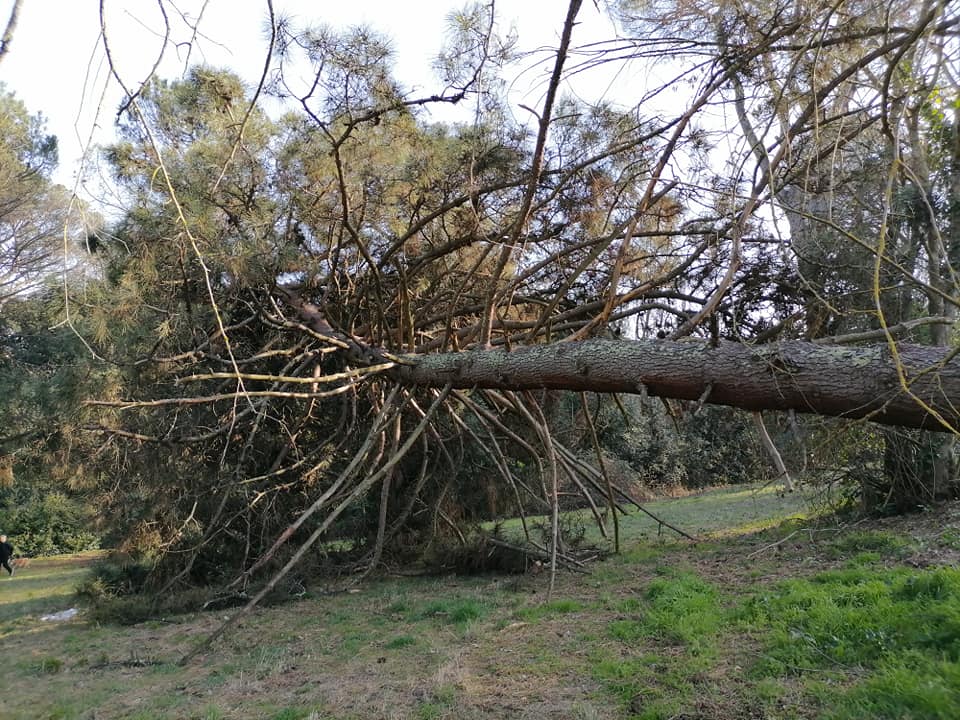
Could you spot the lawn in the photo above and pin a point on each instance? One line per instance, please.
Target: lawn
(771, 615)
(44, 586)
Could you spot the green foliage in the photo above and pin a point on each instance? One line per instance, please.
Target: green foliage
(387, 226)
(114, 593)
(32, 210)
(116, 575)
(44, 369)
(46, 522)
(716, 446)
(108, 609)
(49, 666)
(722, 448)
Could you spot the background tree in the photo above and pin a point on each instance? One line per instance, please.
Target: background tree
(43, 364)
(32, 210)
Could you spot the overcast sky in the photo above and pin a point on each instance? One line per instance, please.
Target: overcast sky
(57, 64)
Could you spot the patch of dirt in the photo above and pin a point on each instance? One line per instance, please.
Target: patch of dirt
(529, 670)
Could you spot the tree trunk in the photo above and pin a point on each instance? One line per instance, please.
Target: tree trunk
(782, 473)
(852, 382)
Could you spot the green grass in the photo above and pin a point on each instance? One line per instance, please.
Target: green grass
(664, 636)
(550, 609)
(455, 611)
(894, 633)
(720, 512)
(826, 624)
(870, 543)
(912, 686)
(399, 642)
(858, 618)
(46, 586)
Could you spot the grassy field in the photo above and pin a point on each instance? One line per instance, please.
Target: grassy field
(771, 615)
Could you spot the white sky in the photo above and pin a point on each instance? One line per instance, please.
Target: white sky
(57, 63)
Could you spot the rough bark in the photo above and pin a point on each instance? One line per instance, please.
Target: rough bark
(852, 382)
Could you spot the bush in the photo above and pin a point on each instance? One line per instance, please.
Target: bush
(117, 593)
(714, 446)
(52, 523)
(115, 576)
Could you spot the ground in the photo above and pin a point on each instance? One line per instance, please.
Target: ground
(771, 614)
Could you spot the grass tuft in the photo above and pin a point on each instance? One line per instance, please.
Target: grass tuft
(456, 611)
(401, 641)
(911, 687)
(883, 544)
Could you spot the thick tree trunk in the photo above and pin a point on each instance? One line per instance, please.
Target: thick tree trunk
(853, 382)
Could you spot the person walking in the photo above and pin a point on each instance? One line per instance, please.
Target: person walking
(6, 552)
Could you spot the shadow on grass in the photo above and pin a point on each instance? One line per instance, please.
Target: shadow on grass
(41, 606)
(46, 585)
(713, 513)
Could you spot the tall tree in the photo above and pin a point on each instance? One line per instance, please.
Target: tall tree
(43, 366)
(32, 209)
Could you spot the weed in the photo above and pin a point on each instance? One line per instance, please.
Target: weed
(211, 712)
(628, 631)
(429, 711)
(647, 686)
(401, 641)
(444, 696)
(624, 677)
(398, 607)
(586, 711)
(556, 607)
(455, 611)
(49, 666)
(630, 605)
(767, 690)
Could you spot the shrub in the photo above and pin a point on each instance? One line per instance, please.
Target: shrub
(52, 523)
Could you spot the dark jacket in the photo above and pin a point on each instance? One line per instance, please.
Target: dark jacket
(6, 551)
